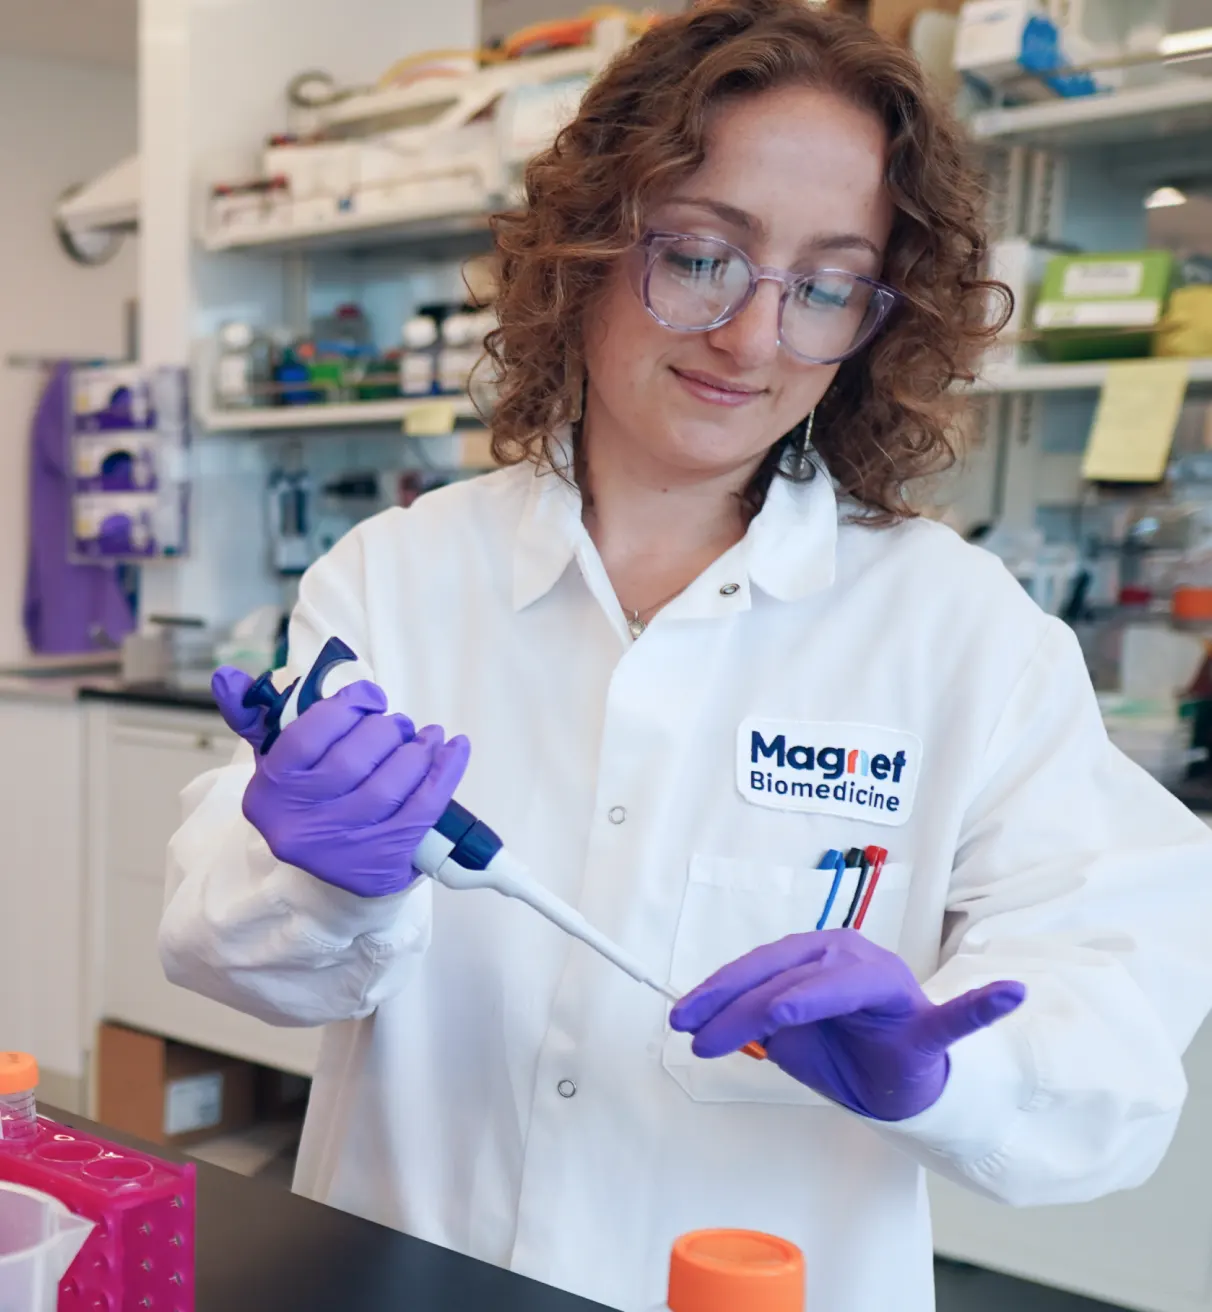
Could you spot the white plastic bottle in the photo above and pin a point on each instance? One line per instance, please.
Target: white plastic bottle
(18, 1084)
(244, 368)
(462, 346)
(418, 358)
(734, 1271)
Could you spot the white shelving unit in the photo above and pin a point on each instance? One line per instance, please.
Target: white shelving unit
(363, 414)
(356, 230)
(1008, 379)
(1077, 172)
(1133, 116)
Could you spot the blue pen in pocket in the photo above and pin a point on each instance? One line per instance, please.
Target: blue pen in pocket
(835, 861)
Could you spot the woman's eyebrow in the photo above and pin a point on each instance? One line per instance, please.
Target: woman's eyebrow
(845, 241)
(750, 224)
(729, 213)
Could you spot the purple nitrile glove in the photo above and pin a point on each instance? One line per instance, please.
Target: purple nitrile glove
(347, 792)
(842, 1016)
(229, 686)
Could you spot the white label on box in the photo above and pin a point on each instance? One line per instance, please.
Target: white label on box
(1098, 314)
(1107, 278)
(193, 1103)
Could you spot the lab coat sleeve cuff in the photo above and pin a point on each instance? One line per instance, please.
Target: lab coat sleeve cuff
(333, 918)
(990, 1089)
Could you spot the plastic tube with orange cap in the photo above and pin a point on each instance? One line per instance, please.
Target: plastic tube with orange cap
(735, 1271)
(18, 1083)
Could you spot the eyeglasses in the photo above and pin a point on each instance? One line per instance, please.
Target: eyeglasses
(694, 284)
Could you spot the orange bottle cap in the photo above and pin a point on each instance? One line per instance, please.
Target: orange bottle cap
(1191, 605)
(735, 1271)
(18, 1072)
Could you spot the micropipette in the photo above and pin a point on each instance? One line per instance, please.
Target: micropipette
(460, 851)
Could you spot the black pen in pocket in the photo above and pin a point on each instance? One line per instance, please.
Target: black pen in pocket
(855, 857)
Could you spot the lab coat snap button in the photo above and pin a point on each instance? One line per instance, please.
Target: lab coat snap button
(729, 588)
(566, 1089)
(616, 815)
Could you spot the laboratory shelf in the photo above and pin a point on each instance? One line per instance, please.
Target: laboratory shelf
(1181, 107)
(1003, 379)
(354, 415)
(439, 237)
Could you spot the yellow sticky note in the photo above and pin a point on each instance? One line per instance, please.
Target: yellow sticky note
(430, 419)
(1135, 421)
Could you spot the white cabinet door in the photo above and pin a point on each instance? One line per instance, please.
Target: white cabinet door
(1150, 1248)
(41, 883)
(141, 759)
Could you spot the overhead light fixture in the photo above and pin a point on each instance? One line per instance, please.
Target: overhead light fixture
(1165, 198)
(1175, 44)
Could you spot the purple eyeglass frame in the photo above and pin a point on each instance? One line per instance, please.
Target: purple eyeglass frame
(886, 298)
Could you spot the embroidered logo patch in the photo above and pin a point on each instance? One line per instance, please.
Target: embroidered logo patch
(859, 771)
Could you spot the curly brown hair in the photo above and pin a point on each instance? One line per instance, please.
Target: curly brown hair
(886, 418)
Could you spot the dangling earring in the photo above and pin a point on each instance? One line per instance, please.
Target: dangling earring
(575, 381)
(806, 444)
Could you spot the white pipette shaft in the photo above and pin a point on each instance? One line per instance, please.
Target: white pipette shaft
(509, 876)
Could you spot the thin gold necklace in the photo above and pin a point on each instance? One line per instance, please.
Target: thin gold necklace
(635, 624)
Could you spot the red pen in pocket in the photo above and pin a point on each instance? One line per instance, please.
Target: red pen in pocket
(876, 856)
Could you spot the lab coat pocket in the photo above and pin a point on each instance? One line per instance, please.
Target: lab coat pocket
(731, 907)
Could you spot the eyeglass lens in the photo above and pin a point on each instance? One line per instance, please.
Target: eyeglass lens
(695, 283)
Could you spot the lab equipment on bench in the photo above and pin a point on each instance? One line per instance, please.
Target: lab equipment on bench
(734, 1271)
(39, 1241)
(18, 1112)
(104, 1226)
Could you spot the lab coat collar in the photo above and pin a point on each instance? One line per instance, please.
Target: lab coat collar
(788, 553)
(792, 544)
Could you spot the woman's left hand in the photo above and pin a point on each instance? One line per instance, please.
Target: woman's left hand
(842, 1016)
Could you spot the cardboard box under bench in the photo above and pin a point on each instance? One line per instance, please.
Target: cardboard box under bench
(170, 1093)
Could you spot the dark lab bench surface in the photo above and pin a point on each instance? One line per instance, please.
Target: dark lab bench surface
(263, 1249)
(171, 696)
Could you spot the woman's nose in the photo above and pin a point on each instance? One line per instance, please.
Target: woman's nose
(752, 337)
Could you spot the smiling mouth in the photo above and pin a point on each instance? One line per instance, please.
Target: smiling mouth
(718, 391)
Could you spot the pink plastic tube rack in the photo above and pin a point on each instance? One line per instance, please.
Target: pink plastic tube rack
(140, 1254)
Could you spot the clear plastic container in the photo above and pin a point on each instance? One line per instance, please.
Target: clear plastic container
(39, 1240)
(18, 1084)
(734, 1271)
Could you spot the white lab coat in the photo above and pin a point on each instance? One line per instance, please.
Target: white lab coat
(488, 1084)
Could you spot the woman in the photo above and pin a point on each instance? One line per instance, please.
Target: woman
(698, 640)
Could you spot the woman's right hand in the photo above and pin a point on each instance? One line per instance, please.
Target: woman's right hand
(348, 791)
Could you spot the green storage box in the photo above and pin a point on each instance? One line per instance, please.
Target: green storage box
(1103, 307)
